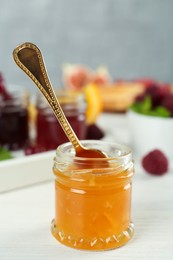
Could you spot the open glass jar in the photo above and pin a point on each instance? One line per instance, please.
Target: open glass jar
(14, 133)
(93, 197)
(49, 133)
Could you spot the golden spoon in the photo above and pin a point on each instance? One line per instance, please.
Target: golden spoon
(29, 58)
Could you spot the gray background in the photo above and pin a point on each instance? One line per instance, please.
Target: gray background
(133, 38)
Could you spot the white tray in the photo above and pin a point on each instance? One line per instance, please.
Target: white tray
(27, 170)
(24, 171)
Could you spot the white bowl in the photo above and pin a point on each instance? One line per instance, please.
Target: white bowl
(148, 133)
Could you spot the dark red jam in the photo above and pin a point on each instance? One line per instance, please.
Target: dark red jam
(49, 133)
(13, 122)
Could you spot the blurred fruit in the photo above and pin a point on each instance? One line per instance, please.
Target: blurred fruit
(120, 96)
(94, 102)
(161, 100)
(32, 113)
(143, 105)
(33, 149)
(75, 76)
(101, 77)
(140, 98)
(94, 132)
(155, 162)
(146, 82)
(157, 93)
(167, 102)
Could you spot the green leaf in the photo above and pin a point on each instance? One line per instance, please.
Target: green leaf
(5, 154)
(146, 104)
(161, 112)
(145, 108)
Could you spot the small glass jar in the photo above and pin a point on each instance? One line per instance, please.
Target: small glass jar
(93, 197)
(49, 133)
(14, 133)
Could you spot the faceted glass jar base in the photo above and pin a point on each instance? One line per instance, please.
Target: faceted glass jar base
(95, 243)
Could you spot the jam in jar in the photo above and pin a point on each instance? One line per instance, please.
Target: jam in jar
(14, 133)
(93, 197)
(49, 133)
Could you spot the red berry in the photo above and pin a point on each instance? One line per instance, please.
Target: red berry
(154, 93)
(140, 98)
(146, 82)
(94, 132)
(29, 150)
(157, 92)
(155, 162)
(167, 102)
(33, 149)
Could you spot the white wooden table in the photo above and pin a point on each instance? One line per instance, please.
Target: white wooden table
(26, 214)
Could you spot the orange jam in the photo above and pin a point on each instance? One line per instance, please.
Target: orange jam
(92, 204)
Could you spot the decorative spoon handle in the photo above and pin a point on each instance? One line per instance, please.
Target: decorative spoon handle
(29, 58)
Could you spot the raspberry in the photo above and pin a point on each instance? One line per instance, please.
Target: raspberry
(140, 98)
(167, 102)
(155, 93)
(146, 82)
(155, 162)
(94, 132)
(33, 149)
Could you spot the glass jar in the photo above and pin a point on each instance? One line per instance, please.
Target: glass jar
(93, 197)
(14, 133)
(49, 133)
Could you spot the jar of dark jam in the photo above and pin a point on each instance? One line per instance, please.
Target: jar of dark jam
(49, 133)
(14, 132)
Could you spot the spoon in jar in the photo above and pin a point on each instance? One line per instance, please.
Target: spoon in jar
(29, 58)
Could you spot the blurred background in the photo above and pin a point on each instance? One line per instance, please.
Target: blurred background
(129, 101)
(133, 38)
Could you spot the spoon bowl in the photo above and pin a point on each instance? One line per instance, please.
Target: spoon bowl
(29, 58)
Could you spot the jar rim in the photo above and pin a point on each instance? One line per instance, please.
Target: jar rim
(116, 152)
(68, 100)
(17, 99)
(118, 160)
